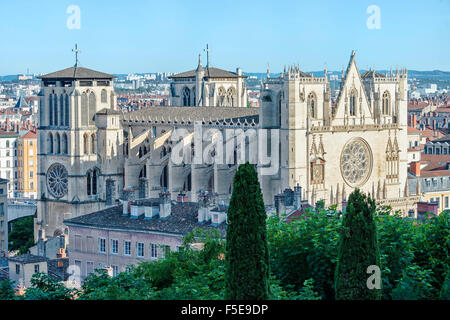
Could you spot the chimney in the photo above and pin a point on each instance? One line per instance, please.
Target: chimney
(203, 210)
(414, 168)
(182, 197)
(297, 196)
(280, 206)
(414, 121)
(165, 206)
(128, 195)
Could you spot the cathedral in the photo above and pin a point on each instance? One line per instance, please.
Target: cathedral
(92, 156)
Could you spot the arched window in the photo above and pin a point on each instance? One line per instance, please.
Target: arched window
(89, 183)
(65, 144)
(279, 108)
(140, 152)
(104, 96)
(112, 100)
(66, 112)
(94, 181)
(85, 144)
(62, 109)
(7, 143)
(55, 110)
(92, 110)
(353, 103)
(231, 97)
(50, 110)
(84, 109)
(93, 143)
(186, 97)
(385, 103)
(312, 105)
(221, 97)
(50, 143)
(58, 144)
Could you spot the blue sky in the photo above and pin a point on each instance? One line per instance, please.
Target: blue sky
(150, 36)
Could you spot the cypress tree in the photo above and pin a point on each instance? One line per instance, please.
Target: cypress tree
(358, 249)
(247, 255)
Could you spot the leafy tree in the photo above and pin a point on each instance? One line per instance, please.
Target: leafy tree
(305, 248)
(358, 249)
(247, 255)
(7, 290)
(396, 238)
(44, 287)
(22, 235)
(415, 284)
(445, 291)
(431, 250)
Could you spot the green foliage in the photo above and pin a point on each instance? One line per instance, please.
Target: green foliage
(289, 293)
(445, 291)
(415, 284)
(45, 287)
(396, 238)
(431, 249)
(6, 290)
(247, 255)
(305, 248)
(22, 235)
(357, 250)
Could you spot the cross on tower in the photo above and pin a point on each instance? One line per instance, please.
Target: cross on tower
(76, 54)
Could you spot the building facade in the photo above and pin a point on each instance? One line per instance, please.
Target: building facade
(3, 217)
(27, 165)
(9, 160)
(79, 146)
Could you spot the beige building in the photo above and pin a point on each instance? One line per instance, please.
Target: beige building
(22, 268)
(27, 165)
(329, 149)
(3, 217)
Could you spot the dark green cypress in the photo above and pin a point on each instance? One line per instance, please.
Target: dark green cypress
(358, 249)
(247, 255)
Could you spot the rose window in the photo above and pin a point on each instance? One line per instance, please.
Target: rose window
(57, 180)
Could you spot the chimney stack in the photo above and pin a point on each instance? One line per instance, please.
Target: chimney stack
(297, 197)
(280, 205)
(165, 206)
(414, 168)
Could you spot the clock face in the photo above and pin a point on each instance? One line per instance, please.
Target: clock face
(317, 172)
(356, 162)
(57, 180)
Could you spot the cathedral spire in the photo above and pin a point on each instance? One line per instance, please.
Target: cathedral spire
(199, 66)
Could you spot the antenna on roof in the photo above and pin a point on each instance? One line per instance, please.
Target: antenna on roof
(76, 54)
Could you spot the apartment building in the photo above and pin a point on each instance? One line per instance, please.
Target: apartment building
(27, 165)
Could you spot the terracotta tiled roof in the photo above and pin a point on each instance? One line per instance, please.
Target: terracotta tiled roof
(413, 130)
(29, 135)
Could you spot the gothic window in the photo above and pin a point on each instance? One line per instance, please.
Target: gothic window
(353, 103)
(221, 97)
(85, 144)
(186, 97)
(92, 110)
(62, 109)
(50, 109)
(231, 97)
(104, 96)
(143, 172)
(50, 143)
(58, 144)
(140, 152)
(55, 110)
(164, 178)
(66, 112)
(84, 109)
(64, 144)
(385, 103)
(312, 105)
(93, 143)
(88, 182)
(111, 100)
(94, 181)
(279, 108)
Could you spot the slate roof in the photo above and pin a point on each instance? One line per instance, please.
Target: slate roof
(107, 111)
(182, 220)
(21, 103)
(208, 73)
(370, 74)
(77, 73)
(27, 258)
(195, 113)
